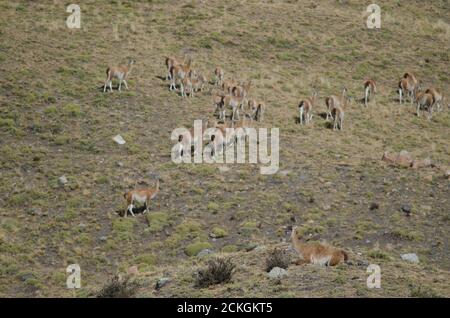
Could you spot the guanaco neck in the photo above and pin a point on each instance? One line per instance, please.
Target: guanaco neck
(296, 241)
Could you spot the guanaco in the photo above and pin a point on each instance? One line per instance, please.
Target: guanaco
(437, 97)
(171, 62)
(142, 196)
(424, 101)
(338, 115)
(370, 88)
(120, 72)
(219, 75)
(179, 72)
(334, 101)
(305, 108)
(408, 85)
(234, 103)
(317, 253)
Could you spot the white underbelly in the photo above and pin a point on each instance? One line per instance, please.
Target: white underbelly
(139, 199)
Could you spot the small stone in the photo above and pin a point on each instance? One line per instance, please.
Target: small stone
(407, 209)
(35, 211)
(62, 180)
(374, 206)
(428, 178)
(103, 238)
(133, 270)
(251, 247)
(119, 163)
(410, 257)
(277, 273)
(204, 253)
(118, 139)
(326, 207)
(162, 282)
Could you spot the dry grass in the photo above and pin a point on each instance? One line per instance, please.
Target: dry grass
(54, 121)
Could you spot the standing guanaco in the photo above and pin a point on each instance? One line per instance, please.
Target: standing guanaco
(305, 108)
(370, 88)
(219, 75)
(120, 72)
(408, 85)
(178, 73)
(437, 97)
(334, 101)
(142, 196)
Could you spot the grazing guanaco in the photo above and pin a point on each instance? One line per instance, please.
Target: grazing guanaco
(120, 72)
(187, 86)
(408, 85)
(305, 108)
(219, 75)
(437, 97)
(142, 196)
(317, 253)
(425, 101)
(338, 115)
(178, 73)
(334, 101)
(370, 88)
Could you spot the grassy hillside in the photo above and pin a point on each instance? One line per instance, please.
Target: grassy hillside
(55, 121)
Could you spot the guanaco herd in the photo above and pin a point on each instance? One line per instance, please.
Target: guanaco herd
(233, 96)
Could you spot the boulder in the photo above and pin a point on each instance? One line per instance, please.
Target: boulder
(277, 273)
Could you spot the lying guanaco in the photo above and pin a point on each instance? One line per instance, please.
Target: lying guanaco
(120, 72)
(142, 196)
(370, 88)
(317, 253)
(334, 101)
(305, 108)
(219, 75)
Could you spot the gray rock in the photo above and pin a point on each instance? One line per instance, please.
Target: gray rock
(163, 281)
(119, 163)
(406, 208)
(34, 211)
(62, 180)
(277, 273)
(410, 257)
(118, 139)
(103, 238)
(204, 253)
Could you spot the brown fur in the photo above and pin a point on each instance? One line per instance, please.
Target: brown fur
(370, 88)
(146, 194)
(317, 253)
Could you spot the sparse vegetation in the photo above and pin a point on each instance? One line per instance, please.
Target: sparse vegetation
(277, 258)
(119, 288)
(218, 271)
(55, 120)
